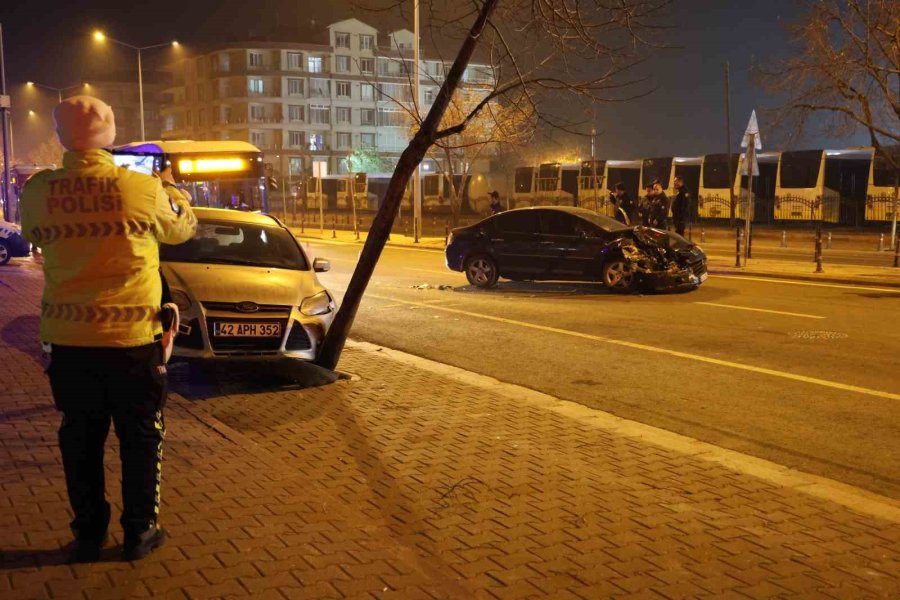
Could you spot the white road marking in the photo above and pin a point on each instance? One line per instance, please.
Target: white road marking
(808, 283)
(763, 310)
(647, 348)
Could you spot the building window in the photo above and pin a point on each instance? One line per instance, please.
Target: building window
(257, 112)
(342, 64)
(342, 89)
(320, 115)
(342, 114)
(319, 88)
(295, 165)
(344, 140)
(169, 123)
(295, 61)
(258, 139)
(295, 86)
(367, 116)
(256, 85)
(187, 118)
(367, 139)
(316, 141)
(201, 118)
(295, 112)
(367, 65)
(366, 42)
(429, 96)
(366, 91)
(342, 40)
(256, 59)
(226, 114)
(391, 117)
(224, 63)
(315, 64)
(297, 138)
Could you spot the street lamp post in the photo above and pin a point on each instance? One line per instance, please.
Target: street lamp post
(59, 91)
(99, 36)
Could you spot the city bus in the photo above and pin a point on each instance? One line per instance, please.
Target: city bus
(592, 194)
(556, 184)
(800, 191)
(666, 168)
(882, 200)
(216, 174)
(524, 186)
(763, 187)
(718, 176)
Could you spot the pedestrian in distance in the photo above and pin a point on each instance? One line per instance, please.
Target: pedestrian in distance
(681, 206)
(645, 209)
(626, 207)
(659, 211)
(496, 207)
(99, 227)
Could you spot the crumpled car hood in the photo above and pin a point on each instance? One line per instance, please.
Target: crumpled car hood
(232, 283)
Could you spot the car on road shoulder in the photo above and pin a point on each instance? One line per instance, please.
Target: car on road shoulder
(12, 244)
(245, 289)
(574, 244)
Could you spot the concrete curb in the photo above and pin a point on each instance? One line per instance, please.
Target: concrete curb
(854, 498)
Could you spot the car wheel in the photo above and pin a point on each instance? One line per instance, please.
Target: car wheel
(619, 276)
(481, 271)
(5, 253)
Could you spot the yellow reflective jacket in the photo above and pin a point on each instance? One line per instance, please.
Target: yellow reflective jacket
(99, 227)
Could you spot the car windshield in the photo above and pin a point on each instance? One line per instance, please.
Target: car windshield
(230, 243)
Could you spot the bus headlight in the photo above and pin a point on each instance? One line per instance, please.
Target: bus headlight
(320, 304)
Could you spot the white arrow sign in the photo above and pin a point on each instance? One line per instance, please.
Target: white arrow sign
(752, 128)
(744, 165)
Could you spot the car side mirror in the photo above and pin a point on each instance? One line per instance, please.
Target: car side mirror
(321, 265)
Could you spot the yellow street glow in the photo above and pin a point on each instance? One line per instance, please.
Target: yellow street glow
(98, 35)
(211, 165)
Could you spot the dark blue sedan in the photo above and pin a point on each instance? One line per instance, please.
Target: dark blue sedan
(573, 244)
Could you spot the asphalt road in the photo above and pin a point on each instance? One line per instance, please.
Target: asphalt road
(801, 374)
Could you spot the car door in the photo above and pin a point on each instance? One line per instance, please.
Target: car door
(515, 239)
(570, 244)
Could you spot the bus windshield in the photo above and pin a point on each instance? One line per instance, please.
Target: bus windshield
(716, 173)
(800, 169)
(883, 173)
(523, 179)
(656, 168)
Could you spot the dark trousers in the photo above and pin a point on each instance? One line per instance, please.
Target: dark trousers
(679, 227)
(92, 386)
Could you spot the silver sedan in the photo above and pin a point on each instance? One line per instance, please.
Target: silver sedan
(245, 289)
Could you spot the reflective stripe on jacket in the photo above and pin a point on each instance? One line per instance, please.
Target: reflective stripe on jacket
(99, 227)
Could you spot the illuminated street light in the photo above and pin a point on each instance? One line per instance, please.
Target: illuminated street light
(99, 36)
(31, 113)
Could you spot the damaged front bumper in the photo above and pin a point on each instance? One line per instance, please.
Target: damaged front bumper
(659, 273)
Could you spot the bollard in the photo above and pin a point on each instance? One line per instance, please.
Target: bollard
(881, 243)
(819, 250)
(737, 249)
(784, 239)
(333, 227)
(828, 241)
(446, 234)
(357, 225)
(897, 253)
(702, 236)
(302, 224)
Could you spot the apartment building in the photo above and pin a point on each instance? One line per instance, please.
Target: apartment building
(306, 103)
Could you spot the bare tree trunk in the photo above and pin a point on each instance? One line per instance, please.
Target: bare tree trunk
(333, 345)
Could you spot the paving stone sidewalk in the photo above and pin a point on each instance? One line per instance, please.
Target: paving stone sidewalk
(401, 483)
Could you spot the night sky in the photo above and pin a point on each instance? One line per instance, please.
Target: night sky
(49, 42)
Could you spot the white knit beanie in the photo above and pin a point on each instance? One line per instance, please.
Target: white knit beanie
(84, 123)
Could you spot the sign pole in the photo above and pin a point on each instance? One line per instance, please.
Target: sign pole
(748, 210)
(7, 131)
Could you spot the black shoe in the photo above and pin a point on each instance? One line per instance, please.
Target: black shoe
(138, 547)
(85, 550)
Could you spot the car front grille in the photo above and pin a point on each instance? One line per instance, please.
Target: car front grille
(698, 267)
(269, 309)
(298, 338)
(244, 344)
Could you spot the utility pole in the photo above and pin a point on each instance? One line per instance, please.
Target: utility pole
(594, 169)
(417, 182)
(4, 123)
(728, 138)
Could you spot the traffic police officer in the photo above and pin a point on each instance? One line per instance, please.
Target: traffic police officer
(99, 227)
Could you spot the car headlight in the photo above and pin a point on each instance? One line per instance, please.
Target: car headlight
(181, 300)
(320, 304)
